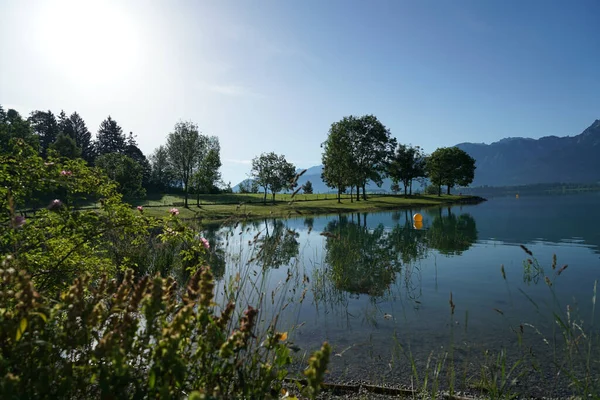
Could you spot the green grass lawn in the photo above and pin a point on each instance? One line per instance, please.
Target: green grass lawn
(224, 206)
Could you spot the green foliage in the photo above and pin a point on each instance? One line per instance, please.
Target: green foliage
(337, 156)
(45, 126)
(273, 172)
(162, 176)
(187, 149)
(207, 175)
(65, 146)
(13, 126)
(450, 166)
(110, 137)
(125, 171)
(307, 188)
(356, 150)
(76, 323)
(57, 243)
(407, 164)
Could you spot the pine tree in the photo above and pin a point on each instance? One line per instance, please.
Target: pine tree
(110, 138)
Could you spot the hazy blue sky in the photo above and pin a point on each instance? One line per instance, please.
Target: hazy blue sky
(273, 75)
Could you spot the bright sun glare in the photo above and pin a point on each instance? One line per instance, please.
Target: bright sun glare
(92, 42)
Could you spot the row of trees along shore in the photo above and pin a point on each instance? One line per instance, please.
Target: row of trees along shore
(188, 161)
(357, 150)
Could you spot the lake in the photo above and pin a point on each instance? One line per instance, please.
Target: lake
(460, 293)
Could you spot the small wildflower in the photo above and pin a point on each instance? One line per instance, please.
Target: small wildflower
(55, 204)
(48, 164)
(174, 211)
(140, 209)
(205, 243)
(66, 173)
(18, 221)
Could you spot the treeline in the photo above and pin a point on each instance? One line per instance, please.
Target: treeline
(189, 161)
(359, 149)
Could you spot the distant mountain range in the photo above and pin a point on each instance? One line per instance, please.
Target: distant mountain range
(515, 161)
(523, 161)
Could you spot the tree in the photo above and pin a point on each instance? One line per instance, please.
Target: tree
(184, 148)
(125, 171)
(82, 136)
(13, 126)
(407, 164)
(273, 172)
(110, 138)
(374, 145)
(161, 175)
(370, 146)
(307, 188)
(134, 152)
(44, 125)
(65, 146)
(207, 174)
(450, 166)
(337, 156)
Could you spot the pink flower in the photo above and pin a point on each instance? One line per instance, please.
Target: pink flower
(140, 209)
(18, 221)
(55, 204)
(66, 173)
(205, 243)
(174, 211)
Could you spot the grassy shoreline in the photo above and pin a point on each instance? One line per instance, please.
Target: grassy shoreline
(218, 208)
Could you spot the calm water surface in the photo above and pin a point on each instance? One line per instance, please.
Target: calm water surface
(379, 290)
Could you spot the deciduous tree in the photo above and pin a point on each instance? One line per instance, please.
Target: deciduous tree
(450, 166)
(184, 148)
(273, 172)
(407, 164)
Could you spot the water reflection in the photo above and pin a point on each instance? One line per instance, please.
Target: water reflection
(451, 234)
(367, 260)
(362, 260)
(277, 245)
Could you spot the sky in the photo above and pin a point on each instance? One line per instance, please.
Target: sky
(274, 75)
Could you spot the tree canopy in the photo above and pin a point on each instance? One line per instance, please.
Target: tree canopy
(273, 172)
(407, 164)
(450, 166)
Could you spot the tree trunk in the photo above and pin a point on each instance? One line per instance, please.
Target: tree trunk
(273, 197)
(405, 189)
(364, 191)
(198, 198)
(357, 193)
(448, 190)
(265, 197)
(339, 195)
(351, 194)
(439, 190)
(410, 188)
(185, 189)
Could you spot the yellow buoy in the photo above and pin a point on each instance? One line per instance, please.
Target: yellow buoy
(417, 217)
(517, 196)
(418, 225)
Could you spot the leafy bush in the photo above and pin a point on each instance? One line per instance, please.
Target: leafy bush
(80, 316)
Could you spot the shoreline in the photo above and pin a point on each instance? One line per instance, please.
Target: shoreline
(220, 212)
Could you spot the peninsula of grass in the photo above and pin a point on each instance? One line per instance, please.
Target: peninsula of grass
(221, 207)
